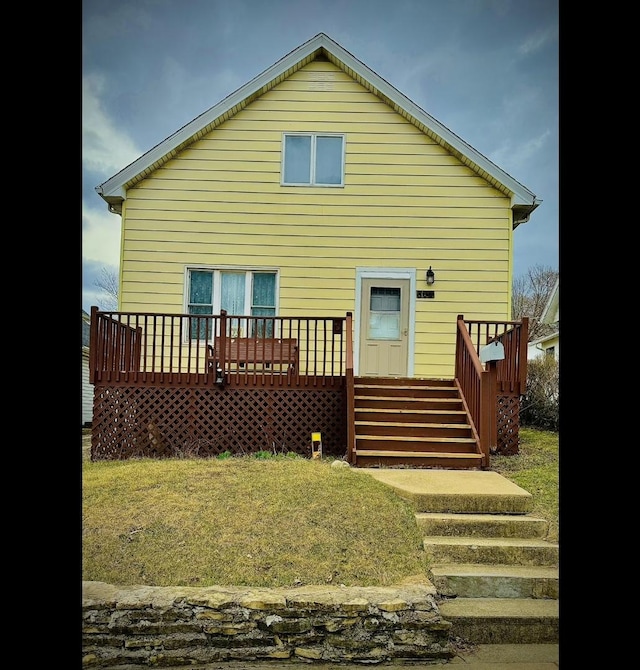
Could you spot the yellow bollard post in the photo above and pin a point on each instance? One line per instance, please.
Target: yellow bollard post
(316, 446)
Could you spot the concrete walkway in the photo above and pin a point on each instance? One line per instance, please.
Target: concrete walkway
(482, 657)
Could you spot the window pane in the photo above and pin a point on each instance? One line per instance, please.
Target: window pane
(264, 289)
(329, 160)
(200, 328)
(263, 328)
(200, 302)
(297, 159)
(263, 301)
(232, 298)
(201, 288)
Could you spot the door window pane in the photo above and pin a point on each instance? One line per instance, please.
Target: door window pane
(384, 314)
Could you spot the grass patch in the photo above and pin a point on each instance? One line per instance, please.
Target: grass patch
(244, 521)
(271, 522)
(536, 470)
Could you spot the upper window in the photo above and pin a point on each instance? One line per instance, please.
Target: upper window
(239, 292)
(312, 159)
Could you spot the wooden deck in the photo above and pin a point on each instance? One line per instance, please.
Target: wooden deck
(174, 385)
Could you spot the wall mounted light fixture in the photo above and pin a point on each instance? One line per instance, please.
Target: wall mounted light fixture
(431, 277)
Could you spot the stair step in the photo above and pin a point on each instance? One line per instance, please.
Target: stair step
(412, 430)
(397, 400)
(413, 411)
(503, 620)
(482, 525)
(412, 415)
(421, 446)
(505, 550)
(441, 491)
(377, 458)
(400, 424)
(418, 439)
(471, 580)
(416, 454)
(406, 381)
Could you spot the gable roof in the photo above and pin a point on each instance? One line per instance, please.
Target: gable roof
(113, 191)
(551, 311)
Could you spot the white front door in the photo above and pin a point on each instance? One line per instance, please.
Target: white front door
(384, 327)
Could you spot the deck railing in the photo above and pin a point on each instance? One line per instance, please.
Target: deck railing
(480, 385)
(134, 347)
(176, 350)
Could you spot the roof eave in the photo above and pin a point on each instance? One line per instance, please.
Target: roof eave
(551, 307)
(547, 338)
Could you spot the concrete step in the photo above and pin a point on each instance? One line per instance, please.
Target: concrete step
(482, 525)
(507, 657)
(502, 620)
(472, 580)
(500, 550)
(457, 492)
(487, 550)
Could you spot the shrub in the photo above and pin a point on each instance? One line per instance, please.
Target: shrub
(540, 406)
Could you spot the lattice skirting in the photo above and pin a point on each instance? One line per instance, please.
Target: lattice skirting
(508, 437)
(161, 422)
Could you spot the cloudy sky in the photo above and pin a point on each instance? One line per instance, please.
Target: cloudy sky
(486, 69)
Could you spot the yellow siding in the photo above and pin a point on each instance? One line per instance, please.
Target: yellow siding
(406, 203)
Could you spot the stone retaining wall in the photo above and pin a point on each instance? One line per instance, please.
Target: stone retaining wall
(180, 626)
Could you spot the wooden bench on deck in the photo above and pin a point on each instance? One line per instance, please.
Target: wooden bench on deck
(281, 354)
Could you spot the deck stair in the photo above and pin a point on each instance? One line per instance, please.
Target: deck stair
(419, 423)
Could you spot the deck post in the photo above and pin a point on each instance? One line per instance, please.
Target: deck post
(221, 362)
(487, 403)
(349, 380)
(491, 417)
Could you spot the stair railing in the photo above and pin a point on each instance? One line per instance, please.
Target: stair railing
(480, 385)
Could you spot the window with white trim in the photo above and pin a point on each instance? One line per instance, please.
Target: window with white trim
(312, 159)
(239, 292)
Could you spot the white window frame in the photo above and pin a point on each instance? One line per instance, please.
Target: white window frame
(312, 170)
(217, 287)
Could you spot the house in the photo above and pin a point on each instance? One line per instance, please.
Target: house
(549, 345)
(87, 388)
(318, 189)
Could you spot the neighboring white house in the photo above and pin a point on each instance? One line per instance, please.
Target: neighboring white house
(87, 388)
(549, 345)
